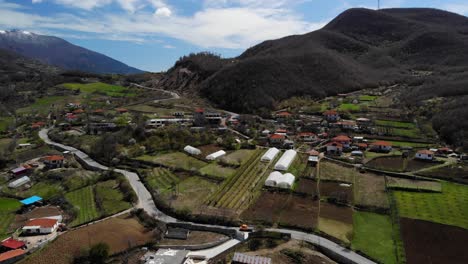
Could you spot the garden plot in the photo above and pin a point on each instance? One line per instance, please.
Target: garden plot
(336, 191)
(101, 88)
(334, 172)
(449, 207)
(306, 186)
(238, 157)
(300, 212)
(217, 170)
(120, 233)
(369, 191)
(176, 160)
(83, 200)
(336, 221)
(389, 163)
(267, 208)
(413, 185)
(109, 198)
(8, 207)
(438, 244)
(455, 172)
(373, 235)
(161, 179)
(190, 193)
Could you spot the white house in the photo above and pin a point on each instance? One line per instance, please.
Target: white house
(273, 178)
(216, 155)
(19, 182)
(286, 181)
(40, 226)
(270, 155)
(424, 155)
(191, 150)
(285, 161)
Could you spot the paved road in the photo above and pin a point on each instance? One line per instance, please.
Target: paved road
(146, 202)
(173, 94)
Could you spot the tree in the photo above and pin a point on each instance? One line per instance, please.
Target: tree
(99, 253)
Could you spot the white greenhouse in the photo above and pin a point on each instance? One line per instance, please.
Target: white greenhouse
(286, 181)
(191, 150)
(270, 155)
(216, 155)
(19, 182)
(273, 179)
(285, 161)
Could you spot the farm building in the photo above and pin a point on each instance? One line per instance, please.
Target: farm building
(191, 150)
(285, 161)
(216, 155)
(31, 200)
(334, 148)
(307, 136)
(424, 155)
(331, 115)
(273, 179)
(286, 181)
(12, 256)
(160, 122)
(347, 124)
(12, 244)
(54, 161)
(20, 170)
(40, 226)
(357, 153)
(444, 151)
(240, 258)
(381, 146)
(345, 141)
(19, 182)
(270, 155)
(362, 121)
(313, 157)
(277, 139)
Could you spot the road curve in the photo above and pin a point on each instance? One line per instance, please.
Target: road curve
(145, 201)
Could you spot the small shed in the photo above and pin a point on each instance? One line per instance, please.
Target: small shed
(19, 182)
(192, 150)
(31, 200)
(270, 155)
(20, 170)
(216, 155)
(286, 160)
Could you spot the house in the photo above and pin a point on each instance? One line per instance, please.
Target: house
(53, 161)
(96, 128)
(331, 115)
(362, 146)
(33, 200)
(424, 155)
(121, 110)
(347, 125)
(12, 244)
(334, 148)
(288, 144)
(313, 157)
(165, 256)
(362, 121)
(281, 131)
(12, 256)
(283, 116)
(38, 125)
(277, 139)
(345, 141)
(240, 258)
(381, 146)
(161, 122)
(40, 226)
(307, 136)
(444, 151)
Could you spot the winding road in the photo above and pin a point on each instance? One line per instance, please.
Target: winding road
(145, 201)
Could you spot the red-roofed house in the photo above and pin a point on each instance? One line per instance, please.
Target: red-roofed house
(381, 146)
(424, 155)
(307, 136)
(334, 148)
(343, 140)
(277, 139)
(53, 161)
(11, 256)
(37, 125)
(445, 150)
(347, 124)
(283, 114)
(331, 115)
(11, 243)
(362, 146)
(40, 226)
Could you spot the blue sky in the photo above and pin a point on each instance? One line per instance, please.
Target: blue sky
(153, 34)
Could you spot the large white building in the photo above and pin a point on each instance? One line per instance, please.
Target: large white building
(286, 160)
(216, 155)
(191, 150)
(19, 182)
(276, 179)
(270, 155)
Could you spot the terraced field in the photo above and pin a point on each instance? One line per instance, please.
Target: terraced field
(162, 179)
(83, 200)
(235, 191)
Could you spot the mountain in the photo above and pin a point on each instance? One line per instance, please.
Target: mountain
(58, 52)
(360, 48)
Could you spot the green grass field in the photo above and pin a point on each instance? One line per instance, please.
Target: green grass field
(349, 107)
(7, 208)
(367, 97)
(397, 124)
(408, 144)
(177, 160)
(110, 198)
(161, 179)
(214, 169)
(83, 200)
(5, 122)
(103, 88)
(449, 207)
(43, 105)
(44, 190)
(192, 192)
(373, 236)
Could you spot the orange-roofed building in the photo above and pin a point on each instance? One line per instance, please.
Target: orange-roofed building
(40, 226)
(121, 110)
(53, 161)
(78, 111)
(381, 146)
(331, 115)
(343, 140)
(12, 256)
(424, 155)
(334, 148)
(307, 136)
(277, 139)
(283, 114)
(38, 125)
(11, 243)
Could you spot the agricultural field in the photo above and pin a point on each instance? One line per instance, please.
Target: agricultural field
(369, 191)
(5, 122)
(413, 185)
(439, 244)
(334, 172)
(349, 107)
(334, 190)
(396, 124)
(449, 207)
(400, 144)
(176, 160)
(161, 179)
(44, 189)
(301, 212)
(217, 170)
(454, 172)
(306, 186)
(191, 193)
(238, 157)
(267, 208)
(299, 165)
(367, 97)
(388, 163)
(7, 208)
(83, 201)
(373, 235)
(100, 88)
(44, 104)
(130, 234)
(336, 221)
(109, 198)
(237, 191)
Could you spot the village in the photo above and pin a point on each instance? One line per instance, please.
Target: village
(335, 167)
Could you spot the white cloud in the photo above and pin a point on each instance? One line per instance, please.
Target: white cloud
(169, 46)
(163, 12)
(36, 1)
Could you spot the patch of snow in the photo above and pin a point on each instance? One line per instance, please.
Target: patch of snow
(2, 32)
(26, 32)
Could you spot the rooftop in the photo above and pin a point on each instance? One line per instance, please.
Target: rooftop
(242, 258)
(31, 200)
(12, 243)
(11, 254)
(41, 222)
